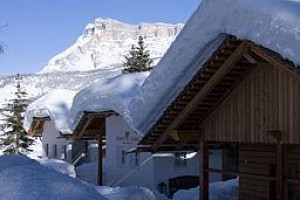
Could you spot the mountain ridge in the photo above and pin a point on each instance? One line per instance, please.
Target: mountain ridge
(104, 43)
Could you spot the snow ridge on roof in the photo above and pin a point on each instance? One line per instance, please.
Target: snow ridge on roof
(274, 24)
(55, 104)
(105, 95)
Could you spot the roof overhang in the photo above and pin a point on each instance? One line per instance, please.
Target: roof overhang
(229, 65)
(91, 125)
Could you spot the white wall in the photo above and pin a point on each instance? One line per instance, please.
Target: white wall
(152, 169)
(119, 137)
(50, 138)
(159, 168)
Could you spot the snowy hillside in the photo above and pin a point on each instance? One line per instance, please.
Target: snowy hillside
(104, 43)
(38, 84)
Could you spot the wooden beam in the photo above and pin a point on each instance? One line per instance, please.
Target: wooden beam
(249, 58)
(102, 114)
(186, 135)
(203, 173)
(274, 61)
(213, 81)
(87, 123)
(37, 126)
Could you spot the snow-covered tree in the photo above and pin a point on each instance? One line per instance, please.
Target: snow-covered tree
(138, 59)
(14, 137)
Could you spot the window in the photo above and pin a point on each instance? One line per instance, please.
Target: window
(123, 157)
(180, 159)
(64, 152)
(137, 159)
(55, 151)
(46, 149)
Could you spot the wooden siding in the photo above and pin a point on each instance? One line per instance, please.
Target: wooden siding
(260, 161)
(266, 102)
(293, 172)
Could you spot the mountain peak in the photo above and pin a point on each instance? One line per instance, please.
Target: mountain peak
(105, 41)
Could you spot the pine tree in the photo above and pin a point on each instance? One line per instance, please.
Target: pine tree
(138, 59)
(14, 136)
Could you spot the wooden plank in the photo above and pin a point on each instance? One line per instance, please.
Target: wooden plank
(285, 108)
(252, 109)
(280, 101)
(280, 172)
(259, 148)
(256, 105)
(213, 81)
(257, 154)
(269, 101)
(296, 112)
(290, 134)
(262, 105)
(248, 109)
(275, 100)
(243, 112)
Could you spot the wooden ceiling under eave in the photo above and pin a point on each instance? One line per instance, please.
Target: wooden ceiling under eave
(227, 67)
(37, 126)
(91, 125)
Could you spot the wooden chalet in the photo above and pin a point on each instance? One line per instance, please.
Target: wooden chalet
(37, 126)
(245, 99)
(92, 127)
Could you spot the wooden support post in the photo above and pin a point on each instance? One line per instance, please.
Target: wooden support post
(280, 163)
(100, 166)
(204, 174)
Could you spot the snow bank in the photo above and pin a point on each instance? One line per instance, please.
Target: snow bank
(59, 166)
(55, 104)
(23, 178)
(275, 24)
(220, 190)
(106, 94)
(129, 193)
(87, 172)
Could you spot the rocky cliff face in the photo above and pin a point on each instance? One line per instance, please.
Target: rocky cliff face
(104, 43)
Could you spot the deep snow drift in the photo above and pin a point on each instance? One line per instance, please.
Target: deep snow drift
(22, 178)
(26, 179)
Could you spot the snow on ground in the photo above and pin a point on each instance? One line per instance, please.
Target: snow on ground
(220, 190)
(130, 193)
(59, 166)
(55, 104)
(87, 172)
(26, 179)
(274, 24)
(105, 95)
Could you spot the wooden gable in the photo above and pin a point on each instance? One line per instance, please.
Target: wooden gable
(91, 125)
(232, 63)
(37, 126)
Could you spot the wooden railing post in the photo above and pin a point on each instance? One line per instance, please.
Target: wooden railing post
(100, 164)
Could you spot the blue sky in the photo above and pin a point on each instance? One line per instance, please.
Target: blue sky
(38, 29)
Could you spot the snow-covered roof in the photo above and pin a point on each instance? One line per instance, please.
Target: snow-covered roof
(274, 24)
(55, 104)
(108, 94)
